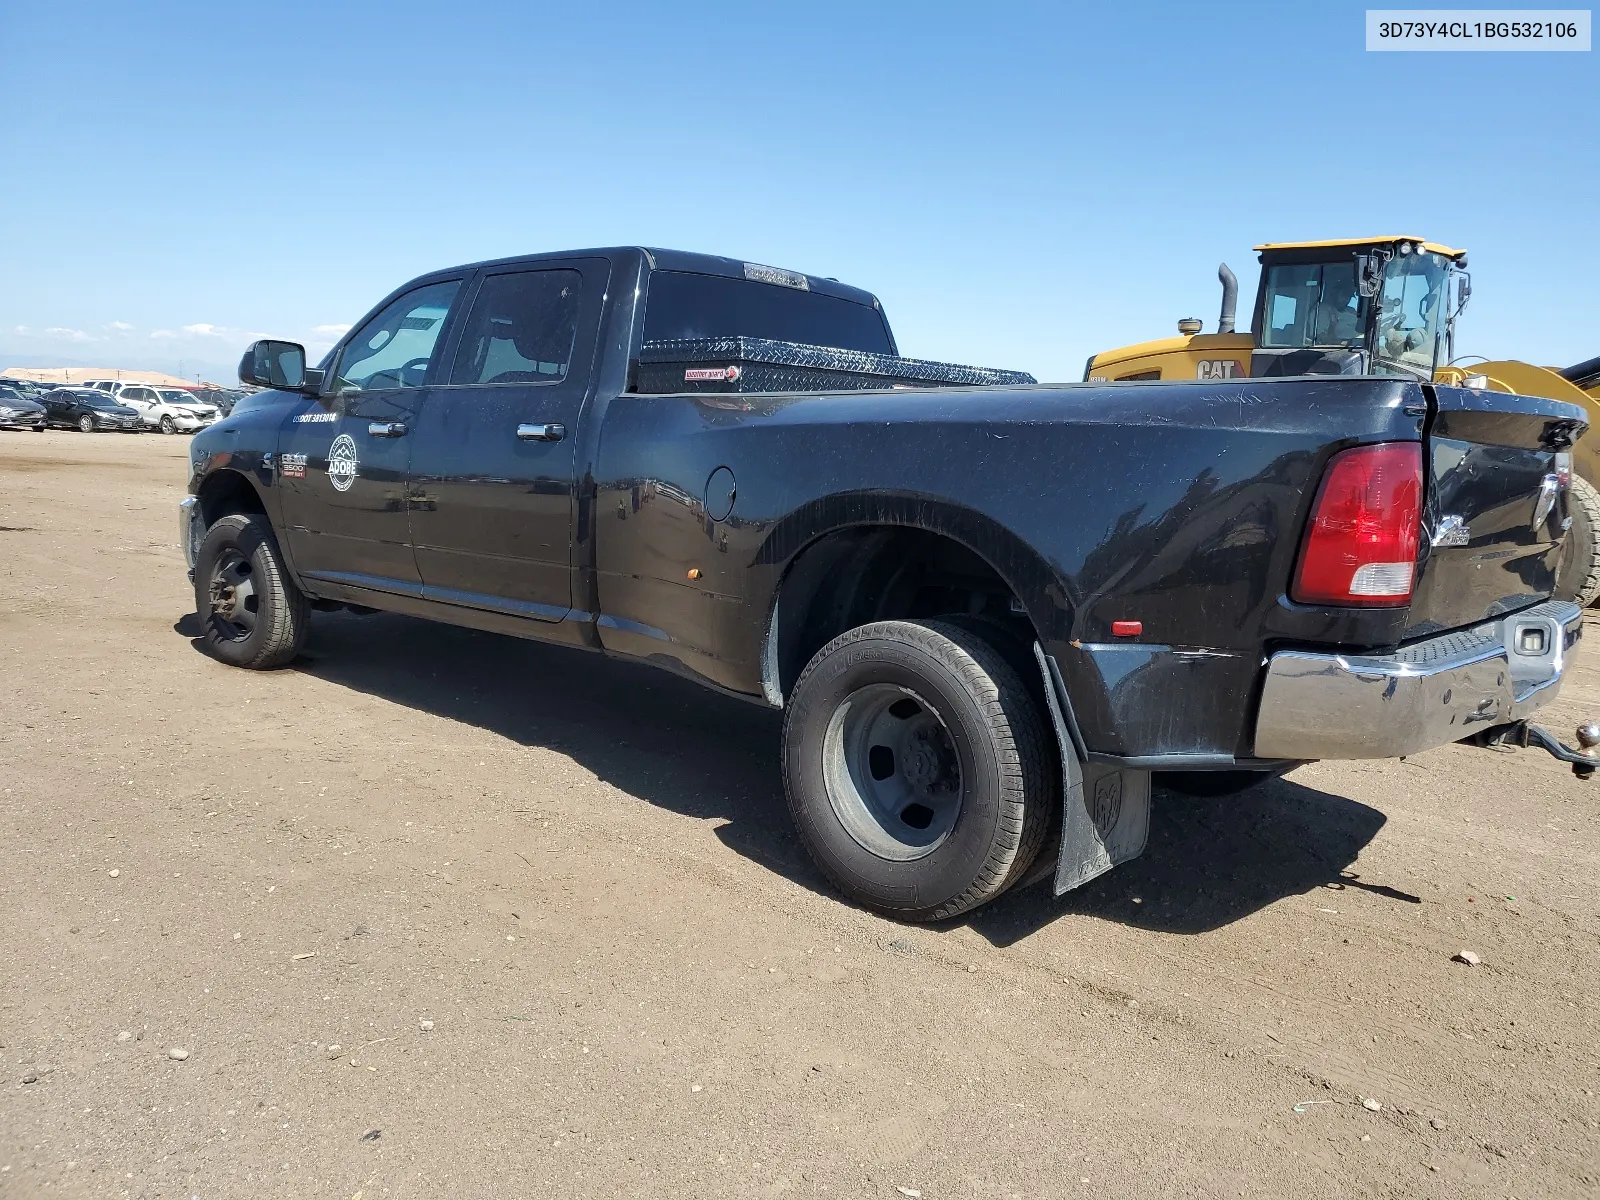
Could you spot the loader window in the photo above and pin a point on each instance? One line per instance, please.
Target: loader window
(1313, 304)
(1410, 310)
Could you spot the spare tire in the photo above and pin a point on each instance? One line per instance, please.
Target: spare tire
(1578, 573)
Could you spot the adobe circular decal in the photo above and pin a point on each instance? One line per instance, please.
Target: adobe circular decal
(342, 463)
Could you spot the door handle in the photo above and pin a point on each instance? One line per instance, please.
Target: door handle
(541, 433)
(387, 429)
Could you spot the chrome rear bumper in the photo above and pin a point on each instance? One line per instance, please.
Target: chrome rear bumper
(1432, 692)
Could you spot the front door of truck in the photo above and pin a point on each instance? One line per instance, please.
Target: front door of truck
(343, 457)
(494, 457)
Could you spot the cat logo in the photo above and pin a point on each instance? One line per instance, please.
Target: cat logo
(1221, 368)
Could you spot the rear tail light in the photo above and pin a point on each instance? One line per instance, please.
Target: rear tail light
(1361, 545)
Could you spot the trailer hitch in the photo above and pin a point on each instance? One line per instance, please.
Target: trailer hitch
(1523, 733)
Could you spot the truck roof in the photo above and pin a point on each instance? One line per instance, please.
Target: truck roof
(660, 259)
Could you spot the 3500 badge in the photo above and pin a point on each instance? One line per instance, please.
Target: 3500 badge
(343, 466)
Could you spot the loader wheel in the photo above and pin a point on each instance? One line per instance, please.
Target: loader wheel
(917, 768)
(250, 610)
(1578, 574)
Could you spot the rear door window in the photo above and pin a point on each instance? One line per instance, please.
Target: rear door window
(685, 304)
(521, 329)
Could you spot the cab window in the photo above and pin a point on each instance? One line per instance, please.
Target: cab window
(1411, 308)
(521, 329)
(394, 349)
(1313, 304)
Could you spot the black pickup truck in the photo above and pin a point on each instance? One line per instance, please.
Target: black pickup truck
(989, 609)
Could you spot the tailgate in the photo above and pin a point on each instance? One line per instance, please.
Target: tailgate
(1496, 506)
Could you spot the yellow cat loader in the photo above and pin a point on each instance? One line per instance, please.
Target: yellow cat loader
(1373, 306)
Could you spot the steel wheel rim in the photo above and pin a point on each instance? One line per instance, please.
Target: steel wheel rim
(235, 605)
(892, 773)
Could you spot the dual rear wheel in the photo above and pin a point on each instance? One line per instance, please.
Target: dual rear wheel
(917, 767)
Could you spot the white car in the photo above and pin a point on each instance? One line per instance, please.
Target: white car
(171, 410)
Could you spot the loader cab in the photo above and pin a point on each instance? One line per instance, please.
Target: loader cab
(1370, 307)
(1353, 306)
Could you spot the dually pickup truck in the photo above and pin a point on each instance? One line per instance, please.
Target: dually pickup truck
(988, 609)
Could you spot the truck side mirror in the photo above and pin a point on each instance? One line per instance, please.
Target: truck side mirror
(273, 364)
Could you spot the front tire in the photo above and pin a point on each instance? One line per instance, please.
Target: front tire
(168, 425)
(251, 613)
(917, 768)
(86, 424)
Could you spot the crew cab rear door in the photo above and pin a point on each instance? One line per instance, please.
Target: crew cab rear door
(493, 462)
(1496, 509)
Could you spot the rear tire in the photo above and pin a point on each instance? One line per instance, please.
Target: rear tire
(1578, 575)
(917, 768)
(250, 611)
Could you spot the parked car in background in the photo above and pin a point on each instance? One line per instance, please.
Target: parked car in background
(31, 389)
(18, 411)
(88, 410)
(221, 398)
(171, 410)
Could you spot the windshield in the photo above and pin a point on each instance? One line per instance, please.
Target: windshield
(174, 396)
(1411, 310)
(99, 400)
(1313, 304)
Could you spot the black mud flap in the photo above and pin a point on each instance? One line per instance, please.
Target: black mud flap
(1105, 810)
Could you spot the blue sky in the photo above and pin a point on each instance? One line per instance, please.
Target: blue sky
(1022, 184)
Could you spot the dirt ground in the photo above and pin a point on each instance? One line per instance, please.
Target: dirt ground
(440, 913)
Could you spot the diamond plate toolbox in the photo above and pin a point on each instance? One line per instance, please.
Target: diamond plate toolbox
(743, 364)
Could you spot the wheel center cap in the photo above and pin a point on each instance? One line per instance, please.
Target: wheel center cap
(921, 765)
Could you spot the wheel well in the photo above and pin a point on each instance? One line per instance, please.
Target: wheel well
(881, 573)
(227, 492)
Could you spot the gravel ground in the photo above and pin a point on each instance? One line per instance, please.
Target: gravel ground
(440, 913)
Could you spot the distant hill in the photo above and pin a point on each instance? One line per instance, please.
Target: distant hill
(73, 375)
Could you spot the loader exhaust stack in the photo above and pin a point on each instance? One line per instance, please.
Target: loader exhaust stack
(1230, 297)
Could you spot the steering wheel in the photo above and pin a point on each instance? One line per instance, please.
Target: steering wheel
(391, 378)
